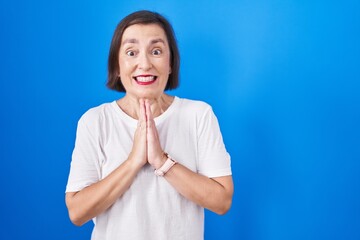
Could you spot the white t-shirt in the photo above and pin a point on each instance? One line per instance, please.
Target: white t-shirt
(151, 208)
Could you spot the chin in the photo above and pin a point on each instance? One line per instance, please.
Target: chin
(149, 95)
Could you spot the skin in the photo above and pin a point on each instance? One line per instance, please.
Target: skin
(144, 51)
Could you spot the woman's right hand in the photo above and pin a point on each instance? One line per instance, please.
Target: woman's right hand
(138, 155)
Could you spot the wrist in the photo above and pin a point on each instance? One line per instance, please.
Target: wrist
(133, 164)
(168, 164)
(161, 160)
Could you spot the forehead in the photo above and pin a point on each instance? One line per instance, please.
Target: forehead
(143, 32)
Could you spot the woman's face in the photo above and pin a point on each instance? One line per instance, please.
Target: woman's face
(144, 61)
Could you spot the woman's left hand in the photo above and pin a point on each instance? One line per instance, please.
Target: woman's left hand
(155, 154)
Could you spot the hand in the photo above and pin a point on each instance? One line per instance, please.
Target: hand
(155, 154)
(138, 153)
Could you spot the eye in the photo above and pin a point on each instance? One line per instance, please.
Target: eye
(156, 52)
(130, 53)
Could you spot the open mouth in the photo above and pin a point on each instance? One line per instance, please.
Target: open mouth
(145, 79)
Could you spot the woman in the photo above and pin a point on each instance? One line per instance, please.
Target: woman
(146, 166)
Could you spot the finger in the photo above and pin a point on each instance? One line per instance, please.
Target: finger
(150, 123)
(142, 114)
(148, 110)
(152, 130)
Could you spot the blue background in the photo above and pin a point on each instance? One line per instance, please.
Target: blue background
(282, 77)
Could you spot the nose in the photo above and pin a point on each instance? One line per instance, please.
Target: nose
(144, 62)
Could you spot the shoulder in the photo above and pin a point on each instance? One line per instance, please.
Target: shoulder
(96, 114)
(194, 106)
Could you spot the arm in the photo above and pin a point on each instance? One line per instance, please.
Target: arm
(214, 194)
(98, 197)
(95, 199)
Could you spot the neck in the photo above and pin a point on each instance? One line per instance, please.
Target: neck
(130, 105)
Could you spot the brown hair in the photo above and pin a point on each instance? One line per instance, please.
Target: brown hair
(142, 17)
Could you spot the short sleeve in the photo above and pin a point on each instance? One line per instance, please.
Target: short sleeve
(213, 159)
(84, 169)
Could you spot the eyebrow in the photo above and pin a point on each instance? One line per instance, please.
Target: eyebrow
(133, 40)
(157, 41)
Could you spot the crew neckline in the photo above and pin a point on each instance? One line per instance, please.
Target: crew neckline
(158, 120)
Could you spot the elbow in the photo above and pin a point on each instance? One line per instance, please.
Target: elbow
(73, 211)
(224, 208)
(224, 205)
(77, 223)
(75, 219)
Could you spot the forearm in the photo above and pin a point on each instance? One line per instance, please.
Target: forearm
(95, 199)
(213, 194)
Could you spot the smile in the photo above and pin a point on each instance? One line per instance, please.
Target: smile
(145, 79)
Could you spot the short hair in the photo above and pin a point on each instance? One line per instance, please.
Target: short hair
(142, 17)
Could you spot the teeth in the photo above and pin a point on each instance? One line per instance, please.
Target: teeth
(145, 79)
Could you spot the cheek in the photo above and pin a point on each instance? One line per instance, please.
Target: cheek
(124, 67)
(165, 65)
